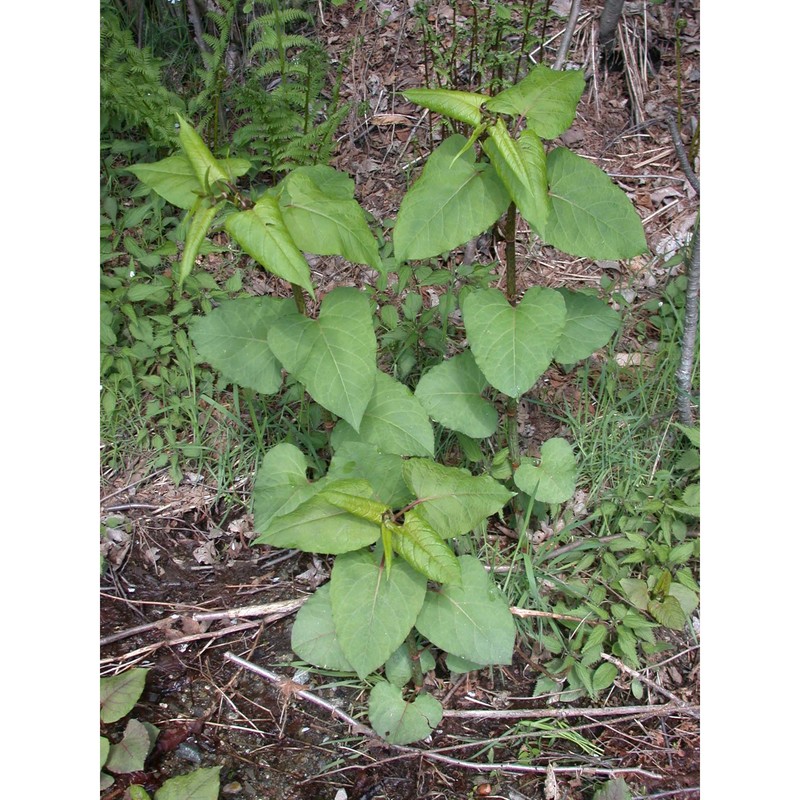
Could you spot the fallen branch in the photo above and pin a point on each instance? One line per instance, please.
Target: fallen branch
(566, 713)
(287, 686)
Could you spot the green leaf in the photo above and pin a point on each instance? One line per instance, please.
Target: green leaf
(400, 722)
(547, 98)
(207, 169)
(692, 434)
(553, 481)
(603, 677)
(281, 484)
(453, 501)
(449, 204)
(394, 421)
(591, 217)
(383, 471)
(513, 346)
(138, 793)
(172, 178)
(339, 494)
(372, 611)
(615, 789)
(451, 393)
(668, 612)
(589, 326)
(318, 526)
(314, 636)
(262, 234)
(202, 784)
(522, 166)
(470, 619)
(424, 549)
(233, 339)
(463, 106)
(636, 591)
(119, 693)
(129, 754)
(459, 666)
(202, 218)
(319, 210)
(105, 746)
(687, 598)
(334, 356)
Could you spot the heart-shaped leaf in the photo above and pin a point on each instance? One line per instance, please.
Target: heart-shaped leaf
(233, 339)
(553, 480)
(322, 216)
(334, 356)
(451, 202)
(314, 636)
(201, 784)
(470, 619)
(513, 346)
(318, 526)
(399, 721)
(453, 501)
(547, 98)
(373, 612)
(451, 393)
(263, 235)
(129, 754)
(394, 421)
(591, 217)
(590, 324)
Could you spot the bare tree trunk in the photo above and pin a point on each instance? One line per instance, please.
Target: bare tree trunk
(691, 317)
(607, 33)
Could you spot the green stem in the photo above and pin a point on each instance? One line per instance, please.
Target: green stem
(512, 432)
(299, 300)
(511, 253)
(413, 653)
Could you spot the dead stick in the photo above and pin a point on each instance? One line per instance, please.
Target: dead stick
(286, 685)
(274, 610)
(565, 713)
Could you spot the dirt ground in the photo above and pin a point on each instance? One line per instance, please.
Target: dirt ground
(180, 568)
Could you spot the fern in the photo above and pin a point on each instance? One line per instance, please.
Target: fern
(133, 99)
(287, 121)
(209, 103)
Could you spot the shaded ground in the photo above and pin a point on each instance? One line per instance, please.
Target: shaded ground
(180, 553)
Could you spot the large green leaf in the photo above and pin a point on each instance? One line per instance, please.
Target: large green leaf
(334, 356)
(233, 339)
(318, 526)
(281, 484)
(553, 480)
(424, 549)
(322, 216)
(120, 693)
(262, 234)
(453, 501)
(399, 721)
(394, 421)
(513, 346)
(463, 106)
(172, 178)
(201, 784)
(383, 471)
(451, 202)
(129, 754)
(591, 217)
(451, 393)
(314, 636)
(547, 98)
(470, 619)
(373, 612)
(590, 324)
(522, 166)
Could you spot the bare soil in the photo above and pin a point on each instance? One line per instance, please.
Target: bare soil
(182, 553)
